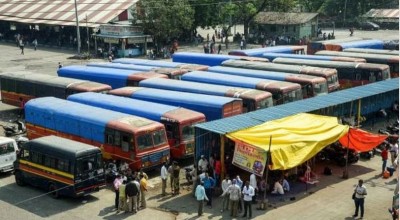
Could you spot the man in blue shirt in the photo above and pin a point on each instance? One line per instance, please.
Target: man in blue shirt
(208, 185)
(200, 196)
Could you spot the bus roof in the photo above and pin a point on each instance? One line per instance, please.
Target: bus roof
(279, 67)
(73, 117)
(210, 59)
(59, 146)
(159, 63)
(272, 56)
(56, 81)
(160, 70)
(240, 81)
(331, 64)
(372, 44)
(209, 105)
(203, 88)
(370, 58)
(281, 76)
(373, 51)
(149, 110)
(257, 52)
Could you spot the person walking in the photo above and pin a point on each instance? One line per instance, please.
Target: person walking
(21, 46)
(117, 183)
(122, 197)
(137, 184)
(360, 193)
(131, 192)
(143, 191)
(219, 48)
(208, 185)
(200, 196)
(164, 177)
(394, 150)
(35, 43)
(384, 155)
(253, 183)
(248, 193)
(170, 169)
(225, 198)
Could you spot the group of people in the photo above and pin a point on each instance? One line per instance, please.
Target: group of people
(173, 172)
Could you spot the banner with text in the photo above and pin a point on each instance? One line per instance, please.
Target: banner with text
(249, 158)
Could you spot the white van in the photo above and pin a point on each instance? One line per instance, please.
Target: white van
(8, 154)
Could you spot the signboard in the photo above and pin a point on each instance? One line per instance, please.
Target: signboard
(249, 158)
(119, 30)
(111, 40)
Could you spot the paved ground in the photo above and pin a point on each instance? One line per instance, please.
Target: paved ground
(330, 199)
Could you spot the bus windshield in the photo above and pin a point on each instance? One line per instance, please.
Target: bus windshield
(320, 88)
(332, 80)
(292, 96)
(144, 141)
(385, 74)
(188, 132)
(264, 103)
(87, 164)
(159, 137)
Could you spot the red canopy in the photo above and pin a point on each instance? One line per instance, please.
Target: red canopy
(361, 140)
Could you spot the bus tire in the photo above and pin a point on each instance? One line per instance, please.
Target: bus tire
(53, 191)
(19, 179)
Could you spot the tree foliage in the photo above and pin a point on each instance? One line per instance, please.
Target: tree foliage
(164, 19)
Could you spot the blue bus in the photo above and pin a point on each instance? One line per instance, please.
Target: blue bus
(257, 52)
(210, 59)
(140, 142)
(116, 78)
(159, 63)
(368, 44)
(179, 122)
(213, 107)
(272, 56)
(252, 99)
(311, 85)
(172, 73)
(282, 92)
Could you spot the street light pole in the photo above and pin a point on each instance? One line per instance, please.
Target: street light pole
(78, 35)
(88, 39)
(344, 13)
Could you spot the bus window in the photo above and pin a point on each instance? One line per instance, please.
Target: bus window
(85, 165)
(126, 143)
(245, 107)
(358, 76)
(117, 139)
(24, 154)
(372, 77)
(63, 165)
(49, 161)
(144, 141)
(385, 74)
(36, 158)
(159, 137)
(188, 132)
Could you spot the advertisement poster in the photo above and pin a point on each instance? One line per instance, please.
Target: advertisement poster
(249, 158)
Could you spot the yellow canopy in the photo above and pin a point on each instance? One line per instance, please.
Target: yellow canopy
(295, 139)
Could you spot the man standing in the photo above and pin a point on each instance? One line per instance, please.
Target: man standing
(253, 183)
(202, 165)
(219, 48)
(132, 191)
(234, 195)
(200, 196)
(175, 172)
(117, 182)
(164, 177)
(225, 199)
(384, 155)
(122, 197)
(35, 43)
(394, 150)
(248, 193)
(170, 168)
(360, 193)
(143, 190)
(137, 184)
(208, 185)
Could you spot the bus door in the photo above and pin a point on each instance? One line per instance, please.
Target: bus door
(8, 154)
(172, 130)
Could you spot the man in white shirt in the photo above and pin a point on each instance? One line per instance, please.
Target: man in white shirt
(360, 193)
(248, 193)
(202, 166)
(278, 188)
(224, 185)
(164, 177)
(253, 183)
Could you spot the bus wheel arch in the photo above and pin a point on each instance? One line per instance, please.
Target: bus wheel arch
(53, 191)
(19, 179)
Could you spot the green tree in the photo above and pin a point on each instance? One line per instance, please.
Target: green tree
(164, 19)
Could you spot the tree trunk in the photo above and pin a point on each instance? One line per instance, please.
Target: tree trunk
(246, 30)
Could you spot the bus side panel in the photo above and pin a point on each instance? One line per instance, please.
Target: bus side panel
(232, 108)
(12, 98)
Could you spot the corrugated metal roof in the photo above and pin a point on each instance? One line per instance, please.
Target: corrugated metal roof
(235, 123)
(283, 18)
(62, 12)
(383, 13)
